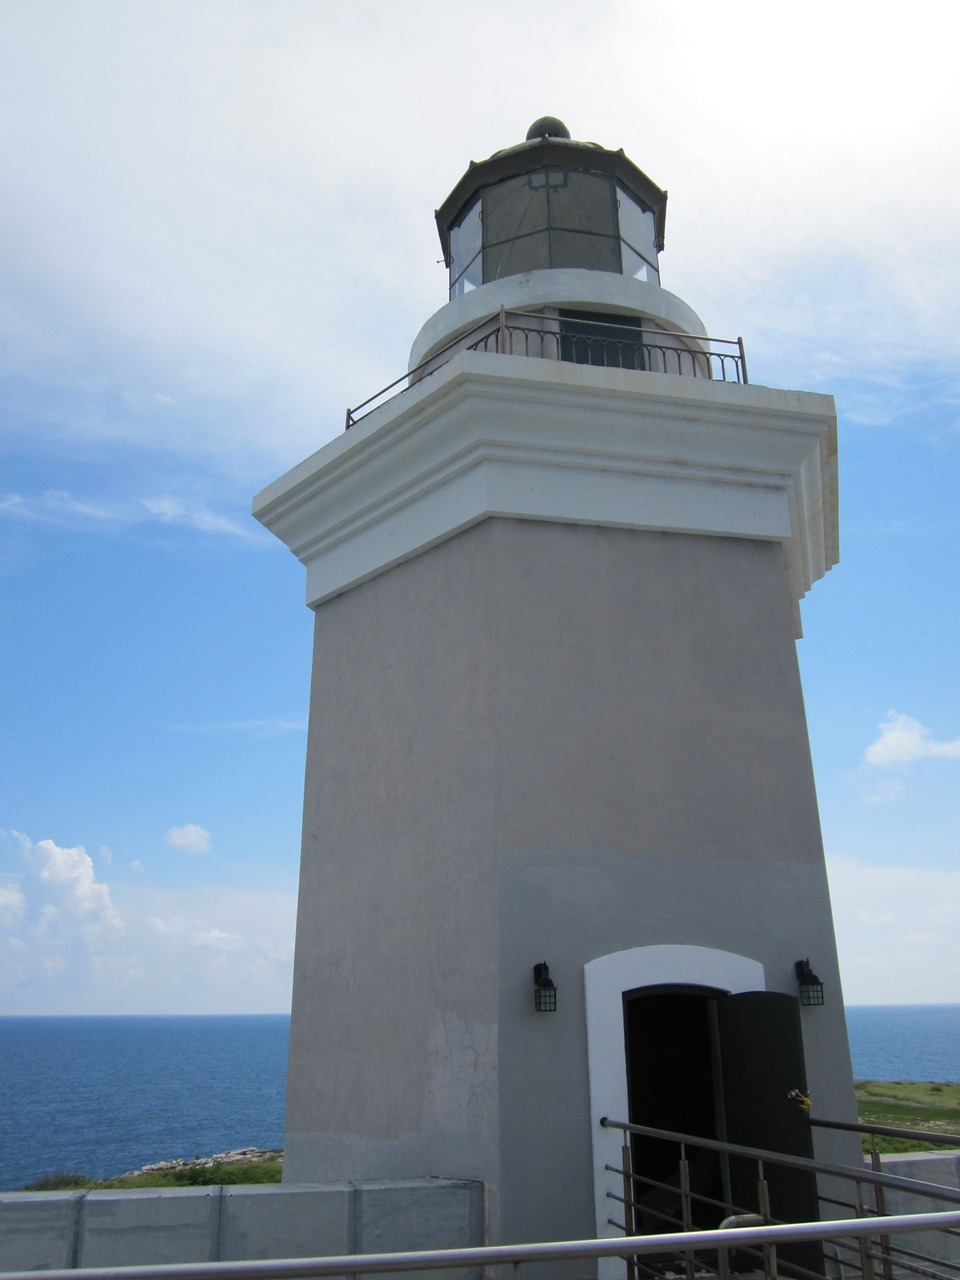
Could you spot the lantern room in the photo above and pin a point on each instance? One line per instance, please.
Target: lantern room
(551, 202)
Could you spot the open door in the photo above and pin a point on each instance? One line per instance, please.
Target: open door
(761, 1052)
(713, 1065)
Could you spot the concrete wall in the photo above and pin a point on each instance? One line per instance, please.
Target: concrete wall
(943, 1170)
(539, 741)
(42, 1231)
(57, 1229)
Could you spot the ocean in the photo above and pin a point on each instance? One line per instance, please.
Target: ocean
(103, 1096)
(905, 1042)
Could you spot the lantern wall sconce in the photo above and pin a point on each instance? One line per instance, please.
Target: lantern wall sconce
(811, 988)
(544, 992)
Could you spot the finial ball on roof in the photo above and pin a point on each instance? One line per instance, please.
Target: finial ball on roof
(547, 127)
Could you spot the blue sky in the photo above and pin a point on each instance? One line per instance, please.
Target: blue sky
(216, 232)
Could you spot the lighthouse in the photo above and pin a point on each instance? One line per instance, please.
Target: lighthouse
(561, 857)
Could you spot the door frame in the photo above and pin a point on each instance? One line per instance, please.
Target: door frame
(605, 981)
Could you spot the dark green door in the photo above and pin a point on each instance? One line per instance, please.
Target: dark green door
(761, 1054)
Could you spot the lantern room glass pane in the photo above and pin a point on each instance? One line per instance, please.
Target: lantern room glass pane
(553, 217)
(465, 241)
(592, 253)
(639, 268)
(470, 278)
(638, 227)
(515, 207)
(514, 257)
(583, 202)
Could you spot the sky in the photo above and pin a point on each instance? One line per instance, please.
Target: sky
(216, 233)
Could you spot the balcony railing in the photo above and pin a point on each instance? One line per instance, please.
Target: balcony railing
(633, 345)
(701, 1247)
(855, 1192)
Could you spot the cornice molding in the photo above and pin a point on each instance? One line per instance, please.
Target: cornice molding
(490, 435)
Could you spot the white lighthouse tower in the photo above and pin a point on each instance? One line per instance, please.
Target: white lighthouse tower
(556, 720)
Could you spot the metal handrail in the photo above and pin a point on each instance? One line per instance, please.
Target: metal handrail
(951, 1194)
(516, 1254)
(617, 326)
(661, 347)
(354, 415)
(498, 328)
(892, 1259)
(885, 1131)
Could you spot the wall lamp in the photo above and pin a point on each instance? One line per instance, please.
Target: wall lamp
(811, 988)
(544, 992)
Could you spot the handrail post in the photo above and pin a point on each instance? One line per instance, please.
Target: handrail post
(743, 361)
(502, 339)
(763, 1205)
(629, 1215)
(723, 1262)
(880, 1201)
(686, 1208)
(866, 1257)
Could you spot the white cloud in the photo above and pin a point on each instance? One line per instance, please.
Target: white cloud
(883, 791)
(69, 873)
(175, 927)
(182, 950)
(47, 917)
(217, 939)
(189, 838)
(267, 728)
(12, 903)
(197, 933)
(60, 509)
(57, 507)
(904, 740)
(170, 510)
(166, 242)
(898, 933)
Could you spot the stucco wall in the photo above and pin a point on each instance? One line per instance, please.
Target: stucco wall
(58, 1229)
(538, 741)
(392, 1067)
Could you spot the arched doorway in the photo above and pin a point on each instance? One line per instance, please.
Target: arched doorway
(713, 1065)
(687, 1039)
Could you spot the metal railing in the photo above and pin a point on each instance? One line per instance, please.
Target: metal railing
(867, 1198)
(601, 344)
(605, 344)
(701, 1245)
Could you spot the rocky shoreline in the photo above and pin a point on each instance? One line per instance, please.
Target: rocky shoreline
(243, 1155)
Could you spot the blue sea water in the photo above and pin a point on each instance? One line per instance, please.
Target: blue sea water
(905, 1042)
(106, 1095)
(103, 1096)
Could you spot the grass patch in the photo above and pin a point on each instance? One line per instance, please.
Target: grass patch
(903, 1104)
(59, 1182)
(190, 1174)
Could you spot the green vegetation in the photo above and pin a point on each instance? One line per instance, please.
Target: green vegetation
(193, 1173)
(900, 1104)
